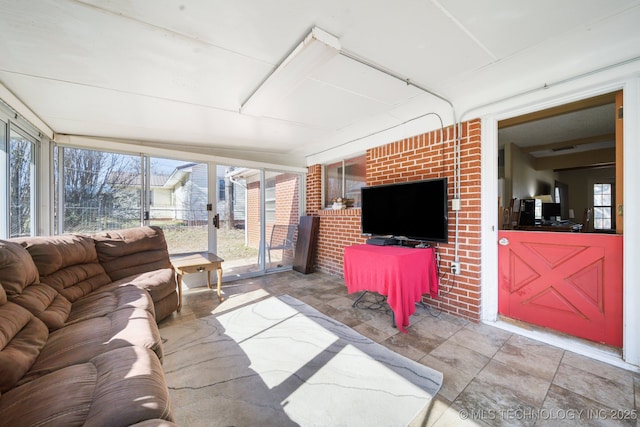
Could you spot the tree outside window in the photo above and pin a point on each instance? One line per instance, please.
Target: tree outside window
(21, 180)
(102, 190)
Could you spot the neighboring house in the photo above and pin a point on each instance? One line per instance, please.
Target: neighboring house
(187, 195)
(180, 196)
(160, 198)
(184, 195)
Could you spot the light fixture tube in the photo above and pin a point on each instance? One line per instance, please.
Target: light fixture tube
(316, 49)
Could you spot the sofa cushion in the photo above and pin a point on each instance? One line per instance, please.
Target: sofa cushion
(77, 281)
(117, 388)
(80, 342)
(19, 275)
(53, 253)
(132, 251)
(17, 269)
(108, 299)
(155, 423)
(67, 263)
(46, 304)
(165, 306)
(159, 283)
(22, 337)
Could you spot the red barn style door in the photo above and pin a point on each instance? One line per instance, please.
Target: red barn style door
(568, 282)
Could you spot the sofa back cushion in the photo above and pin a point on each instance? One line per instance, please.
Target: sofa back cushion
(46, 304)
(17, 270)
(22, 337)
(68, 263)
(124, 253)
(20, 279)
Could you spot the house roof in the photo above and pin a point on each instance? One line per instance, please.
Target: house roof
(176, 74)
(178, 174)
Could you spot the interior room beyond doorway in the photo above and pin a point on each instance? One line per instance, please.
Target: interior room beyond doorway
(566, 155)
(560, 171)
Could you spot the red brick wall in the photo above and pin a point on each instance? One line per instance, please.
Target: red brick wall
(338, 229)
(287, 196)
(314, 189)
(287, 209)
(420, 157)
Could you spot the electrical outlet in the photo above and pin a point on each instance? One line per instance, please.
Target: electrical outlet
(455, 267)
(455, 204)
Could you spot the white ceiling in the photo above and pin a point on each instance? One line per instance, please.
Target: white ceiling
(174, 73)
(567, 131)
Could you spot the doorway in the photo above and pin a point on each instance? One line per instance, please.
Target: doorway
(259, 212)
(567, 282)
(176, 200)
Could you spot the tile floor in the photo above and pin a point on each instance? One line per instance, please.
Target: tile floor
(491, 377)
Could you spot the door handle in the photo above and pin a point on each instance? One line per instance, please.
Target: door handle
(503, 241)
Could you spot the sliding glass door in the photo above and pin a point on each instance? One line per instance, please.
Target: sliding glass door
(259, 212)
(238, 239)
(177, 197)
(100, 190)
(282, 210)
(255, 212)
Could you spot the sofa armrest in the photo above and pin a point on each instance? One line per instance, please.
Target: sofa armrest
(127, 252)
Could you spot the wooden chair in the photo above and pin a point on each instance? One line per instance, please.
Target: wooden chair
(586, 219)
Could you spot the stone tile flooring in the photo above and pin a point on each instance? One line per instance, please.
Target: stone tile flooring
(491, 377)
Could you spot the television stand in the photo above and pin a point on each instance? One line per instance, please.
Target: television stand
(401, 274)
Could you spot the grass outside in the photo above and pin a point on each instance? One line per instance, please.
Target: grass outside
(182, 239)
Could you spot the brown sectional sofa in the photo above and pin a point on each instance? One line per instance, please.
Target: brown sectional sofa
(79, 342)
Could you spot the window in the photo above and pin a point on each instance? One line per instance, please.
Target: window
(99, 190)
(603, 207)
(21, 185)
(221, 190)
(344, 179)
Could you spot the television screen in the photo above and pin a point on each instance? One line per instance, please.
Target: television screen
(551, 210)
(416, 210)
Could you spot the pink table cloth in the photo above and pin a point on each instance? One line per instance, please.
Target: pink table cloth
(402, 274)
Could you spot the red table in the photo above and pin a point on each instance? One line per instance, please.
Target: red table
(402, 274)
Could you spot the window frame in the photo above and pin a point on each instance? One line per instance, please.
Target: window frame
(60, 191)
(11, 127)
(342, 166)
(596, 207)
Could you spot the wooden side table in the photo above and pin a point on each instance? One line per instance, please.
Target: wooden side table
(198, 263)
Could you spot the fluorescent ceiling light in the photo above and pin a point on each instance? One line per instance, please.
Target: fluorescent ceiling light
(315, 50)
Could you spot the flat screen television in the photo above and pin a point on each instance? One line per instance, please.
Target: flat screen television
(551, 210)
(416, 210)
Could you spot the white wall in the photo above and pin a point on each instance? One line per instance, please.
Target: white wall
(521, 171)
